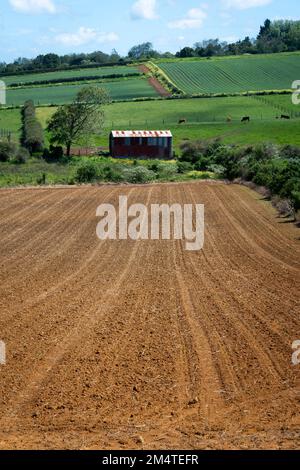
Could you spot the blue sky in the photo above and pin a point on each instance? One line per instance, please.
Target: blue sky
(32, 27)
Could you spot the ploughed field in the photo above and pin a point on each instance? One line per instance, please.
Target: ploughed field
(123, 344)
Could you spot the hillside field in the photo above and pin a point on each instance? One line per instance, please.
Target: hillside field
(234, 74)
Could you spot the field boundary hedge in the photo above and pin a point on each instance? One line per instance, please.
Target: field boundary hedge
(177, 97)
(71, 67)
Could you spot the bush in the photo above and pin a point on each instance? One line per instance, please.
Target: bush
(54, 154)
(284, 206)
(22, 156)
(193, 151)
(184, 167)
(139, 175)
(32, 131)
(113, 173)
(41, 180)
(167, 171)
(203, 163)
(7, 151)
(86, 173)
(296, 200)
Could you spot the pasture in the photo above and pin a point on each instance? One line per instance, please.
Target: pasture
(206, 118)
(234, 74)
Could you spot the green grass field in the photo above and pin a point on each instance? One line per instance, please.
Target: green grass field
(206, 118)
(69, 74)
(234, 74)
(280, 103)
(10, 119)
(125, 89)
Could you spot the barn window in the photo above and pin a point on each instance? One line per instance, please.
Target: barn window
(152, 141)
(127, 141)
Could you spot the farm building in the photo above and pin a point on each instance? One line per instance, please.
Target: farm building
(141, 144)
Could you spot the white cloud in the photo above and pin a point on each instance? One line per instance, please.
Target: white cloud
(193, 19)
(85, 36)
(144, 9)
(34, 6)
(245, 4)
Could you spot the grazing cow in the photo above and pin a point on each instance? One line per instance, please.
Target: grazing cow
(229, 119)
(285, 116)
(182, 121)
(246, 119)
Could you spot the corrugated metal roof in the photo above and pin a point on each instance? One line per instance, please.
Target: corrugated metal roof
(142, 133)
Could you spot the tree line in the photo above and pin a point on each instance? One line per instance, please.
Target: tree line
(274, 36)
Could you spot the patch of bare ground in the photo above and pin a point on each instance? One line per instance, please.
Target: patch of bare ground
(155, 83)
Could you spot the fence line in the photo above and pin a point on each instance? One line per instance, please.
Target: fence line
(6, 133)
(140, 125)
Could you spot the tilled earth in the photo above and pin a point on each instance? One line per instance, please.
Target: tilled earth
(123, 344)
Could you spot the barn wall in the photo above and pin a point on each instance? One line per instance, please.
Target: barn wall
(119, 149)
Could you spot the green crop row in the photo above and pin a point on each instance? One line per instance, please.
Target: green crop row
(234, 75)
(62, 94)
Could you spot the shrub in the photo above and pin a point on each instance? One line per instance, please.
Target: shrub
(113, 173)
(139, 175)
(54, 154)
(284, 206)
(32, 131)
(290, 151)
(7, 151)
(86, 173)
(296, 200)
(203, 163)
(41, 180)
(167, 171)
(22, 156)
(193, 151)
(184, 167)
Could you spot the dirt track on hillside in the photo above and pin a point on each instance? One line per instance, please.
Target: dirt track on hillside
(154, 82)
(126, 344)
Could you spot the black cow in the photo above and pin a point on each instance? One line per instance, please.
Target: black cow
(246, 119)
(285, 116)
(182, 121)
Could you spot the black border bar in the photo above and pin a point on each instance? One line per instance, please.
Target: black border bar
(138, 459)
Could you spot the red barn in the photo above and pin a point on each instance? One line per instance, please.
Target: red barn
(141, 144)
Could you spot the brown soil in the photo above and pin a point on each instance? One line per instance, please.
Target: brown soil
(123, 344)
(154, 82)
